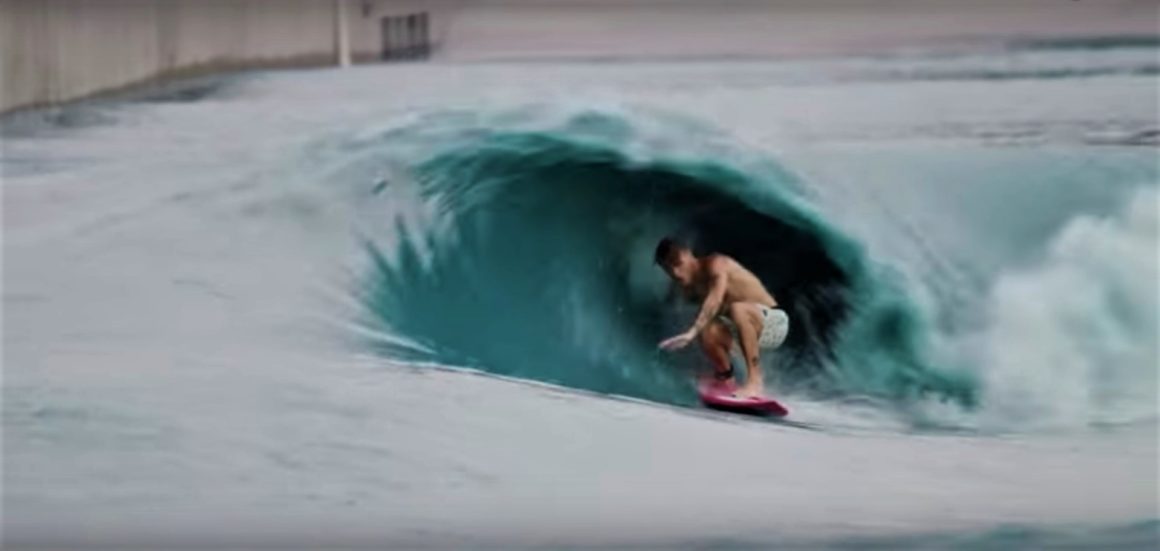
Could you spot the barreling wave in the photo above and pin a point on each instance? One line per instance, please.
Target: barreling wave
(521, 244)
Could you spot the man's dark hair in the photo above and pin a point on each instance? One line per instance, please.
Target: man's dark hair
(665, 251)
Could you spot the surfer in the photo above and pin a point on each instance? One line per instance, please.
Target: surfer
(735, 307)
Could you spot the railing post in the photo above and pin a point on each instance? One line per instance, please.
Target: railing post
(341, 34)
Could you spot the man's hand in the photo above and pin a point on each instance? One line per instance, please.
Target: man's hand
(678, 342)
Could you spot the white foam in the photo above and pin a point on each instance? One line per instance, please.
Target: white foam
(1072, 341)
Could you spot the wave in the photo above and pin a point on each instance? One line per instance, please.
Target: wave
(1106, 42)
(520, 243)
(1145, 69)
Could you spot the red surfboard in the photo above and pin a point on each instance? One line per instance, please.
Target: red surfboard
(719, 395)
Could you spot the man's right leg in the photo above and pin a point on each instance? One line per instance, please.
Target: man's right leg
(749, 323)
(717, 342)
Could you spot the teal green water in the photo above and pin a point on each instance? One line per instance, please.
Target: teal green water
(543, 270)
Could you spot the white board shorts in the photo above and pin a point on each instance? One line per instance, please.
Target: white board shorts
(774, 328)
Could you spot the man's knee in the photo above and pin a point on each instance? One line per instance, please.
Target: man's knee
(746, 313)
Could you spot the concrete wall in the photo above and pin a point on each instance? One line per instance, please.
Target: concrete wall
(482, 30)
(58, 50)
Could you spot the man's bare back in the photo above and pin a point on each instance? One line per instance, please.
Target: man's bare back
(740, 284)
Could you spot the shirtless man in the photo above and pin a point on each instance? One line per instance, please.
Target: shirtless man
(734, 306)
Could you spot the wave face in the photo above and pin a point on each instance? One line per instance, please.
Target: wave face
(521, 244)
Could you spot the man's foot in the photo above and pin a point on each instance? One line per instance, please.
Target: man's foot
(749, 390)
